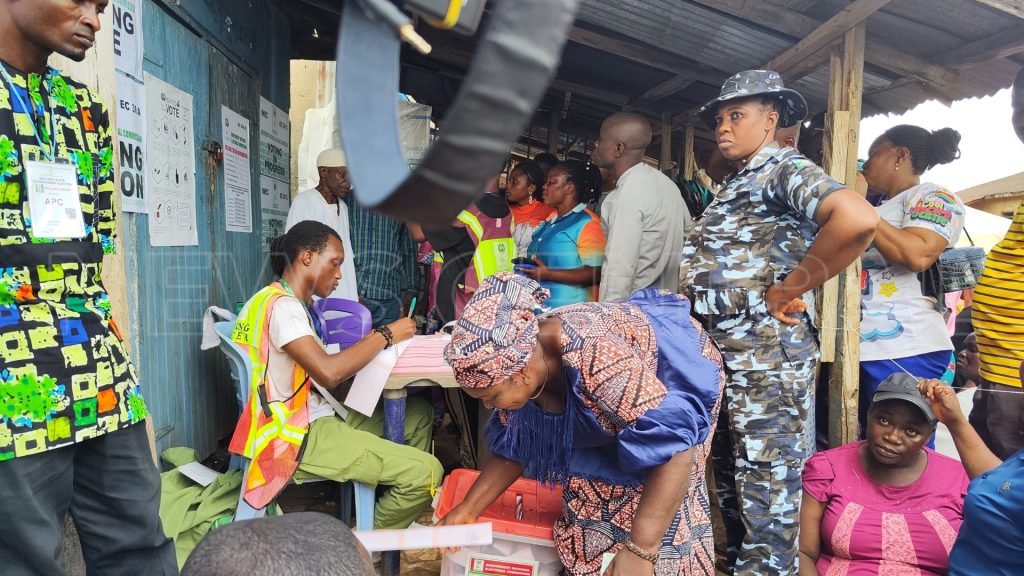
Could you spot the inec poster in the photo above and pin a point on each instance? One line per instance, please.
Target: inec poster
(237, 177)
(171, 171)
(127, 23)
(275, 170)
(130, 144)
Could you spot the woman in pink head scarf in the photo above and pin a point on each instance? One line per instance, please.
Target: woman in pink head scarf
(616, 401)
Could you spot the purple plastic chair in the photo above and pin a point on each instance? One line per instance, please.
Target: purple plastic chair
(344, 322)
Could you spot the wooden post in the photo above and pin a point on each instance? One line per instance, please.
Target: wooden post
(666, 142)
(689, 155)
(553, 127)
(840, 303)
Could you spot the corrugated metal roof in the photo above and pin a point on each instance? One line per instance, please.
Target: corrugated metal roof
(922, 28)
(721, 41)
(689, 30)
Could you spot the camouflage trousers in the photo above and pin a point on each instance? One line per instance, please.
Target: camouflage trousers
(758, 456)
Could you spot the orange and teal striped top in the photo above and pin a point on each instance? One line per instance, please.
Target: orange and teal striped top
(998, 309)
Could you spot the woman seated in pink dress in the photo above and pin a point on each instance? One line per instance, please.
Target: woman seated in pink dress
(887, 504)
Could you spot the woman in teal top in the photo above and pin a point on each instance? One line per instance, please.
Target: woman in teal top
(568, 248)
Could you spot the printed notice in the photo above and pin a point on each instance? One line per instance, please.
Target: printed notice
(274, 202)
(275, 171)
(127, 21)
(171, 172)
(237, 177)
(485, 565)
(131, 123)
(274, 141)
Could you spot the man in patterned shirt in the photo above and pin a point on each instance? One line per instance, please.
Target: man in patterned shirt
(778, 228)
(385, 257)
(71, 432)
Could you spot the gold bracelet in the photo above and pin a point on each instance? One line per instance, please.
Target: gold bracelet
(651, 557)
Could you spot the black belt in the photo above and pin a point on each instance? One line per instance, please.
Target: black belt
(51, 254)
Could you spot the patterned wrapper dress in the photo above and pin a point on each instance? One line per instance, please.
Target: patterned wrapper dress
(643, 383)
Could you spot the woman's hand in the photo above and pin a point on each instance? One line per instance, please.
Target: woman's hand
(458, 515)
(538, 273)
(402, 329)
(943, 400)
(781, 307)
(626, 563)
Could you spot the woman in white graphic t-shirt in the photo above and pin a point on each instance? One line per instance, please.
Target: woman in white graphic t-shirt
(902, 329)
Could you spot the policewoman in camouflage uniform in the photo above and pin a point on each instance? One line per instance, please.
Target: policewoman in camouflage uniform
(779, 228)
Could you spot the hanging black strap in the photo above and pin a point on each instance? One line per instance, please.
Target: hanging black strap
(513, 65)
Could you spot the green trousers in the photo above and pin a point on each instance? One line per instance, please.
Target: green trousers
(343, 450)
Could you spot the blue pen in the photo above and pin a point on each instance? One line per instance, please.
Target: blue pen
(412, 306)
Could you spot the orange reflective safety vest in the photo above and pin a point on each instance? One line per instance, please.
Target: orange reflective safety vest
(271, 431)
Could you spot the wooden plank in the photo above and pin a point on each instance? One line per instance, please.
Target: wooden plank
(825, 34)
(554, 119)
(689, 154)
(795, 24)
(665, 162)
(853, 84)
(1005, 43)
(842, 128)
(827, 295)
(908, 65)
(669, 87)
(1012, 7)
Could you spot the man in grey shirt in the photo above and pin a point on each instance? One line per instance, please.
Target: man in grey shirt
(645, 218)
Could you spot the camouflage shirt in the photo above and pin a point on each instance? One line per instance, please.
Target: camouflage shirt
(756, 231)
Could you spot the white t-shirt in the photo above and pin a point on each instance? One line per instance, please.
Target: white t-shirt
(897, 320)
(289, 321)
(310, 205)
(943, 438)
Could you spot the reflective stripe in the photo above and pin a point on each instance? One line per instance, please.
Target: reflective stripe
(473, 222)
(491, 256)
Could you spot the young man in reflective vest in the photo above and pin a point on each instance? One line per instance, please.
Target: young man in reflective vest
(288, 427)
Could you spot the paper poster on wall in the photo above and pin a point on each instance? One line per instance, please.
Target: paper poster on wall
(131, 130)
(274, 141)
(275, 198)
(171, 172)
(237, 177)
(127, 21)
(414, 129)
(275, 171)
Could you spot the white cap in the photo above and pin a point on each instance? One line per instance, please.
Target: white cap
(331, 158)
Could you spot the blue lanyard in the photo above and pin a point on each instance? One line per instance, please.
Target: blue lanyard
(35, 129)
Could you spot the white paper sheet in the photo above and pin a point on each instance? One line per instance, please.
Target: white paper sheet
(370, 381)
(237, 174)
(127, 23)
(131, 143)
(426, 537)
(170, 166)
(198, 473)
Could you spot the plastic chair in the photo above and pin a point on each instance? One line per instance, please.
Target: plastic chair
(344, 322)
(241, 370)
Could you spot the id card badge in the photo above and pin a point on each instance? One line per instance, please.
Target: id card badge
(53, 201)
